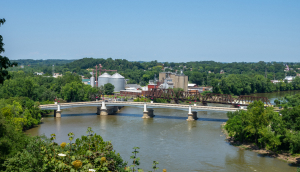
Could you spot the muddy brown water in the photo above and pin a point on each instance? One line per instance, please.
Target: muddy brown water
(168, 138)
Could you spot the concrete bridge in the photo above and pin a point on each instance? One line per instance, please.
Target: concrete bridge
(107, 108)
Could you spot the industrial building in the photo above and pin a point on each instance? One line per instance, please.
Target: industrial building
(172, 80)
(116, 79)
(103, 79)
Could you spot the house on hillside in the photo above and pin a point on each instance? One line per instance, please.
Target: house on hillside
(39, 73)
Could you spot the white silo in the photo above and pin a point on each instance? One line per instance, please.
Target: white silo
(118, 81)
(92, 81)
(103, 79)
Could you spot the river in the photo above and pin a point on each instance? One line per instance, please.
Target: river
(275, 95)
(168, 138)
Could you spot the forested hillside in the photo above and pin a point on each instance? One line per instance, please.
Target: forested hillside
(238, 78)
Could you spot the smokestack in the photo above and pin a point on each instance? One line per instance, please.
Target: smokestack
(100, 69)
(96, 77)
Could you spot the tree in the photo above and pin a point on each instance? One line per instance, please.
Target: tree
(4, 61)
(196, 78)
(109, 88)
(73, 91)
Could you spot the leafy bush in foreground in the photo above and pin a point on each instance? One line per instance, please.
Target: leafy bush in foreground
(86, 153)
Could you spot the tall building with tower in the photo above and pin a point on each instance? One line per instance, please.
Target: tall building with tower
(174, 80)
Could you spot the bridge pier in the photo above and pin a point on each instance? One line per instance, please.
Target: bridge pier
(103, 110)
(147, 113)
(57, 113)
(115, 109)
(192, 115)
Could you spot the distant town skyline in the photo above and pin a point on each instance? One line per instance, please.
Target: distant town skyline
(166, 31)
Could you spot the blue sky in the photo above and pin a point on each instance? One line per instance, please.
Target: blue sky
(179, 31)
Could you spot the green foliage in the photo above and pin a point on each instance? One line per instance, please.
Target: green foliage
(205, 92)
(136, 160)
(42, 154)
(239, 78)
(4, 61)
(109, 89)
(11, 140)
(21, 112)
(39, 88)
(291, 116)
(90, 152)
(160, 100)
(289, 100)
(154, 165)
(242, 84)
(142, 99)
(266, 128)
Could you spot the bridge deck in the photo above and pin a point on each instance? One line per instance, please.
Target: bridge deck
(134, 104)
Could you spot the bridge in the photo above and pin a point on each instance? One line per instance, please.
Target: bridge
(169, 94)
(107, 108)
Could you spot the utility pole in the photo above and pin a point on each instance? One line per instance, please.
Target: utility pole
(207, 80)
(52, 70)
(265, 72)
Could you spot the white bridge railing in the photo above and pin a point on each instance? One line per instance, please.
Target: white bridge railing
(136, 104)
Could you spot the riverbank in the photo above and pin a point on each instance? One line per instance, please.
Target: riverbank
(285, 156)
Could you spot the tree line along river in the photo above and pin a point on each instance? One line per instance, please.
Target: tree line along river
(168, 138)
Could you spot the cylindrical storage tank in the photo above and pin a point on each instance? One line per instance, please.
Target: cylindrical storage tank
(118, 81)
(103, 79)
(92, 81)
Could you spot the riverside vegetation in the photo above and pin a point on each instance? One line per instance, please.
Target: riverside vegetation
(266, 131)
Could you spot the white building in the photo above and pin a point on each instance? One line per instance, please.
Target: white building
(289, 78)
(39, 73)
(55, 75)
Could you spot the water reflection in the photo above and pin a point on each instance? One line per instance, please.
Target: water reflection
(191, 125)
(275, 95)
(57, 122)
(103, 121)
(148, 121)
